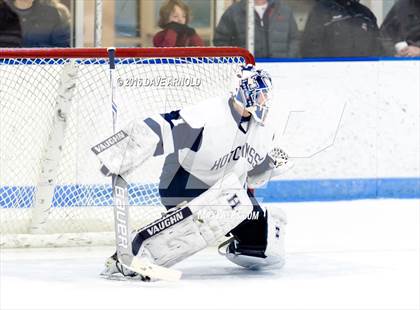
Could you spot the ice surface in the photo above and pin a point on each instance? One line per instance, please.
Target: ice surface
(340, 255)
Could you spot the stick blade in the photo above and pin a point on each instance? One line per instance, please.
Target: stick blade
(148, 269)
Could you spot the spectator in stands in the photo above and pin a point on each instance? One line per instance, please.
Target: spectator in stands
(276, 33)
(402, 24)
(174, 17)
(10, 33)
(44, 23)
(341, 28)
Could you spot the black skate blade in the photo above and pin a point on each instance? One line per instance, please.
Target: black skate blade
(120, 277)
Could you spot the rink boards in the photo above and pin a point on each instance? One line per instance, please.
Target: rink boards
(350, 127)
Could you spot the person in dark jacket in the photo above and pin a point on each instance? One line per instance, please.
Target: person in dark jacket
(276, 33)
(10, 32)
(45, 23)
(174, 18)
(402, 24)
(341, 28)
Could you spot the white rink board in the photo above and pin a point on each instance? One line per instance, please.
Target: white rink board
(341, 120)
(337, 120)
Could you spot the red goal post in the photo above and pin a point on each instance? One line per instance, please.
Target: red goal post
(56, 104)
(126, 52)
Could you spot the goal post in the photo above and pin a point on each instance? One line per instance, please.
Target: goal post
(55, 104)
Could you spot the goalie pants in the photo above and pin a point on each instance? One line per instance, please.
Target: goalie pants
(182, 186)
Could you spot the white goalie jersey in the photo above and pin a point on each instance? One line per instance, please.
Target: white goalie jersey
(228, 143)
(208, 140)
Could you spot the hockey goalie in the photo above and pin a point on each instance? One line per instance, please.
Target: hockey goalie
(212, 159)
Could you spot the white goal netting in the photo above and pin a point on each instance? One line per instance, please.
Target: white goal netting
(54, 109)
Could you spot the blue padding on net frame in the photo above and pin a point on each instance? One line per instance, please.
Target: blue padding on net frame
(346, 189)
(275, 191)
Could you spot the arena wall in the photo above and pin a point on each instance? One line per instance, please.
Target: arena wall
(352, 129)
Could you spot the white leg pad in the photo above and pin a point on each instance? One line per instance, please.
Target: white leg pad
(186, 230)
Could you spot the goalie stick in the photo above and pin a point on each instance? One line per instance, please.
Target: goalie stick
(121, 211)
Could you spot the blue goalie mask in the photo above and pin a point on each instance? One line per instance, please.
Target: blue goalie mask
(254, 92)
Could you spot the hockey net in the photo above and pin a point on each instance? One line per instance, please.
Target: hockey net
(55, 104)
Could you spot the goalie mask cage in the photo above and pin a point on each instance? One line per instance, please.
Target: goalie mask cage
(55, 104)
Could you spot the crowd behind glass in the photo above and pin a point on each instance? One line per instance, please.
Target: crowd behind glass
(333, 28)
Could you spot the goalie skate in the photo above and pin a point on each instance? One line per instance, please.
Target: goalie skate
(114, 270)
